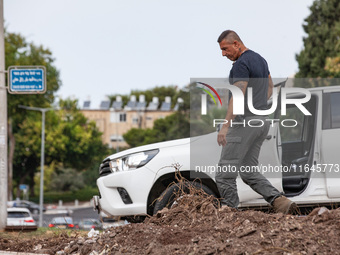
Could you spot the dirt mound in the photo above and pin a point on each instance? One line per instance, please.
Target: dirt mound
(195, 226)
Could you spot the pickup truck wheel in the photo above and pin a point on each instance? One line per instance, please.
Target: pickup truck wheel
(167, 198)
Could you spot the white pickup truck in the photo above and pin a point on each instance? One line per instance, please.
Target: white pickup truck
(309, 155)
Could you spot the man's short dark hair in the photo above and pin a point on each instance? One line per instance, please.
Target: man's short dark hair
(230, 36)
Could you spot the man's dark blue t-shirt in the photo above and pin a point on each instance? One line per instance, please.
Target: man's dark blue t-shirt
(253, 68)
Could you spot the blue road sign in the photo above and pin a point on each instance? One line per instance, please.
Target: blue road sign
(27, 80)
(22, 186)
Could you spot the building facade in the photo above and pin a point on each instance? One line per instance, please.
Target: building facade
(115, 120)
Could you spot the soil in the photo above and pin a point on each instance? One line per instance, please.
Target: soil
(195, 226)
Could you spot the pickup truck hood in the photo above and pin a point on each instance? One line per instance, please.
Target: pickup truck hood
(153, 146)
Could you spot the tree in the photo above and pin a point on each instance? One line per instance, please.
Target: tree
(321, 46)
(333, 63)
(174, 126)
(72, 142)
(66, 180)
(19, 52)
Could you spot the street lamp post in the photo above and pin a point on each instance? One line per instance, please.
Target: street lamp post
(42, 157)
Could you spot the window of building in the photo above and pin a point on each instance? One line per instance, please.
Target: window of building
(116, 138)
(122, 117)
(135, 120)
(117, 117)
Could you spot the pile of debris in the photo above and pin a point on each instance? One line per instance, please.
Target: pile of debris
(195, 225)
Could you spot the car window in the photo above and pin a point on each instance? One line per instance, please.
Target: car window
(62, 220)
(18, 214)
(331, 110)
(91, 222)
(335, 110)
(292, 134)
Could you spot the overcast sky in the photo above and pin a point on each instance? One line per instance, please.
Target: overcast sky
(107, 47)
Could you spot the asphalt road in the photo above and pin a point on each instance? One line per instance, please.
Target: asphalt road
(76, 214)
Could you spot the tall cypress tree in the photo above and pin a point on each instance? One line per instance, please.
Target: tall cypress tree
(322, 42)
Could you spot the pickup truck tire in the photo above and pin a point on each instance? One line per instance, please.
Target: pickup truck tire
(167, 198)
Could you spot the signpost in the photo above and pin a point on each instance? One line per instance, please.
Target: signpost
(42, 157)
(3, 126)
(21, 80)
(27, 80)
(22, 186)
(24, 189)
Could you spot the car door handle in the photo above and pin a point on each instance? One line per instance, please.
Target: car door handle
(269, 137)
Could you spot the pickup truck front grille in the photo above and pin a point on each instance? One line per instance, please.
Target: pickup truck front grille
(104, 168)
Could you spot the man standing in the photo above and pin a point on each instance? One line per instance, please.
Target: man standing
(242, 143)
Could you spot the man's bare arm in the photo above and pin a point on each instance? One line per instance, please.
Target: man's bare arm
(221, 138)
(270, 87)
(230, 115)
(242, 85)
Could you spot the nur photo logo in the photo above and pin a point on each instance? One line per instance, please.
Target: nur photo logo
(204, 97)
(240, 101)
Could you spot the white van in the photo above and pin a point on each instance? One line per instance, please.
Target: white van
(308, 155)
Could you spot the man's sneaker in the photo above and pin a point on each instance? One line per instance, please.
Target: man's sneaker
(284, 205)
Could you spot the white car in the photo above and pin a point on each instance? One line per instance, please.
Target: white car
(20, 219)
(301, 161)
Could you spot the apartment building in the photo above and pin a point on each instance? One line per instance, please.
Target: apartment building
(116, 119)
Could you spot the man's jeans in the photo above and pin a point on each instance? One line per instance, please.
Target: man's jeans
(243, 148)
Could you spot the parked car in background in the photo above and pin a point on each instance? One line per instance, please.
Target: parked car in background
(33, 207)
(20, 219)
(87, 224)
(62, 223)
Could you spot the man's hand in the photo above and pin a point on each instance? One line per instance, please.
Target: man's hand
(221, 137)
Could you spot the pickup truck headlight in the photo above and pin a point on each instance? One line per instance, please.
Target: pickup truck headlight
(132, 161)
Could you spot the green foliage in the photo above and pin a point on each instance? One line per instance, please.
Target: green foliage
(322, 43)
(66, 180)
(26, 155)
(136, 137)
(84, 194)
(90, 174)
(20, 52)
(112, 98)
(174, 126)
(204, 124)
(160, 92)
(70, 140)
(333, 66)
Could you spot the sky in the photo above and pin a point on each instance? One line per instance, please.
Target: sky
(108, 47)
